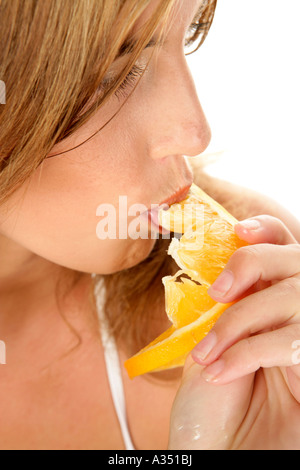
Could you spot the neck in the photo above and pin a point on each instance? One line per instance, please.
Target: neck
(17, 264)
(27, 281)
(30, 317)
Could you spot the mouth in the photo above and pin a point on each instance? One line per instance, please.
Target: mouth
(178, 196)
(152, 214)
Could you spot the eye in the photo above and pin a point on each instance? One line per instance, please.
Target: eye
(200, 26)
(194, 36)
(129, 81)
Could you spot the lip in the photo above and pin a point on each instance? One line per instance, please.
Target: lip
(152, 214)
(154, 221)
(178, 196)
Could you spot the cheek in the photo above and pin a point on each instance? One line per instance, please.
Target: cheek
(54, 215)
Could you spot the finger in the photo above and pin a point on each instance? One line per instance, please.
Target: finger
(251, 315)
(271, 349)
(251, 264)
(191, 424)
(264, 229)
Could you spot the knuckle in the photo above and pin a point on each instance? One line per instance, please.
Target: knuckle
(250, 351)
(295, 330)
(235, 313)
(248, 254)
(248, 345)
(273, 221)
(269, 218)
(277, 222)
(229, 321)
(295, 248)
(291, 286)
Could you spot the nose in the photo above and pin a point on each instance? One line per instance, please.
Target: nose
(181, 127)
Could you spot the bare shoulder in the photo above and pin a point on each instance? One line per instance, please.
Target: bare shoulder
(243, 202)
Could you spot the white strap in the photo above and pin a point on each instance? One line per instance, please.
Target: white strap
(114, 376)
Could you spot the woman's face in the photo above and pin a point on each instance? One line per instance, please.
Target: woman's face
(139, 155)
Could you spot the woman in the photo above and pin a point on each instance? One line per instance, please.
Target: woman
(100, 103)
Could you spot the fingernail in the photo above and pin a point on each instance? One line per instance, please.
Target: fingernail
(202, 350)
(250, 224)
(223, 284)
(212, 372)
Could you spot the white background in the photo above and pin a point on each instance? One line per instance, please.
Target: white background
(247, 75)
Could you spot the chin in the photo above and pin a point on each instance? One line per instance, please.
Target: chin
(123, 257)
(137, 253)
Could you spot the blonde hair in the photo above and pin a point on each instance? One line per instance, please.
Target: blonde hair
(54, 56)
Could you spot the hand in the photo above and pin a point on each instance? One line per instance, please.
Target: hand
(241, 384)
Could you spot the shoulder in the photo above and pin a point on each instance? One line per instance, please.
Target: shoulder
(243, 202)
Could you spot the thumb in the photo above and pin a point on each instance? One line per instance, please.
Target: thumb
(204, 415)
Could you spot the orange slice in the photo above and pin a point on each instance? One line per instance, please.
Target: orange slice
(202, 252)
(209, 239)
(171, 348)
(186, 301)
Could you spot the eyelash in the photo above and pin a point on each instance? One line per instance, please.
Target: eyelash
(130, 80)
(195, 31)
(137, 70)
